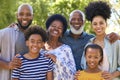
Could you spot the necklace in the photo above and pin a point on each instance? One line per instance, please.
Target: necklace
(100, 43)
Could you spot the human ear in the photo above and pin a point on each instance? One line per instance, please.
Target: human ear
(27, 43)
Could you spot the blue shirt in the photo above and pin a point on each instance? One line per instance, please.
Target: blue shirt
(33, 69)
(77, 46)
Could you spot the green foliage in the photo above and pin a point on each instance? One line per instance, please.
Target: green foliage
(42, 10)
(7, 13)
(65, 7)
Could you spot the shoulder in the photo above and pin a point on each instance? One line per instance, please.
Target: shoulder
(20, 57)
(88, 35)
(7, 30)
(66, 33)
(44, 58)
(65, 46)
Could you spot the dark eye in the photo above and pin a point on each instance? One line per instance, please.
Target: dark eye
(21, 14)
(73, 19)
(89, 56)
(96, 57)
(39, 41)
(32, 41)
(28, 14)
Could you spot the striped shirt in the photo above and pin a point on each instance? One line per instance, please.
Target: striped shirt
(33, 69)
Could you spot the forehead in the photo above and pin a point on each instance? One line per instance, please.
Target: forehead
(57, 22)
(98, 18)
(35, 37)
(91, 51)
(25, 8)
(77, 14)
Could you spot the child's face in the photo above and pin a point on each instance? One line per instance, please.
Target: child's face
(35, 43)
(93, 58)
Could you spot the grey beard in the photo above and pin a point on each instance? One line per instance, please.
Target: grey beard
(77, 32)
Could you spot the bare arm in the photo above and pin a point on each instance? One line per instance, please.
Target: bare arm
(76, 75)
(113, 37)
(109, 76)
(4, 64)
(50, 75)
(15, 63)
(51, 56)
(116, 74)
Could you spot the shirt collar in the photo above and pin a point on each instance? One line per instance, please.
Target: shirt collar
(16, 28)
(81, 36)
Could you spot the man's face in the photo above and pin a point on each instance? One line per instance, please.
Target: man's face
(76, 20)
(24, 17)
(76, 23)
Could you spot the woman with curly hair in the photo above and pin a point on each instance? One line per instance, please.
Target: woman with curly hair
(60, 53)
(97, 13)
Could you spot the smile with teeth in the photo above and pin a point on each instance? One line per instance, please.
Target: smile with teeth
(34, 49)
(98, 30)
(77, 25)
(24, 22)
(55, 32)
(91, 63)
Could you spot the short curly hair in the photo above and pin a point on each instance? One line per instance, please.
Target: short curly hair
(59, 18)
(35, 29)
(97, 8)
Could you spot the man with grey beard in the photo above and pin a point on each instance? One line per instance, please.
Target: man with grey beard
(76, 38)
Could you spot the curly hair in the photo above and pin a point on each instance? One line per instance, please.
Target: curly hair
(97, 8)
(35, 29)
(59, 18)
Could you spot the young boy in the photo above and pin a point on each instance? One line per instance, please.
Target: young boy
(34, 65)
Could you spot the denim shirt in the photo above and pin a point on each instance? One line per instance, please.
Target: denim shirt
(77, 45)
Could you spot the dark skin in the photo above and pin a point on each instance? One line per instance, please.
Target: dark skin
(77, 20)
(24, 16)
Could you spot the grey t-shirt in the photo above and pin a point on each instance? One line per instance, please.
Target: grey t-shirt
(20, 45)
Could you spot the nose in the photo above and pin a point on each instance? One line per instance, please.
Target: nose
(76, 21)
(98, 25)
(92, 59)
(35, 43)
(24, 17)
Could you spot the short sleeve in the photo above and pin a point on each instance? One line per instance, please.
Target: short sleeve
(16, 73)
(50, 65)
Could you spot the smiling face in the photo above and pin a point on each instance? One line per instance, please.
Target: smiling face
(76, 23)
(55, 29)
(99, 25)
(35, 43)
(24, 16)
(93, 58)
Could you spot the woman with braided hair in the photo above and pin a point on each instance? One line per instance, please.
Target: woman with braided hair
(97, 13)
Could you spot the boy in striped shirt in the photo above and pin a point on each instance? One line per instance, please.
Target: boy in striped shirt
(34, 65)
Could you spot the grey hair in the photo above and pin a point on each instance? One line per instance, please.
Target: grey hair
(80, 12)
(25, 4)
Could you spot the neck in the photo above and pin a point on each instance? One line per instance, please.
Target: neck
(100, 37)
(52, 43)
(100, 40)
(31, 55)
(95, 70)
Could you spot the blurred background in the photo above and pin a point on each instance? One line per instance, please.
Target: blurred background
(44, 8)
